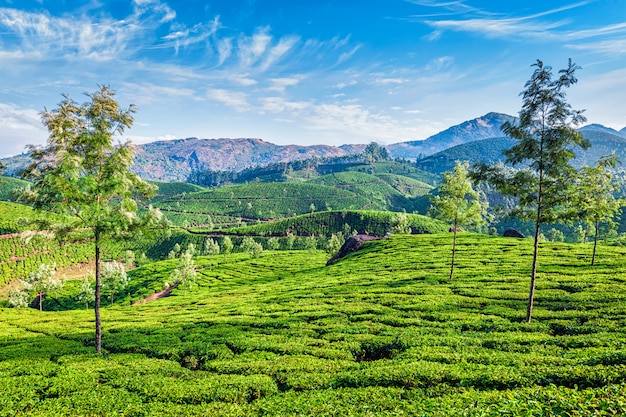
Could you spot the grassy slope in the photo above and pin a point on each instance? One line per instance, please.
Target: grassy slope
(7, 184)
(325, 223)
(173, 188)
(375, 334)
(262, 200)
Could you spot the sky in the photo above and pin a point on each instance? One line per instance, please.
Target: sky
(303, 72)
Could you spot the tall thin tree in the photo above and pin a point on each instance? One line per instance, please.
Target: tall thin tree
(596, 202)
(546, 140)
(458, 203)
(84, 176)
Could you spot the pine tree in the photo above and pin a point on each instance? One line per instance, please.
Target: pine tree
(82, 175)
(546, 140)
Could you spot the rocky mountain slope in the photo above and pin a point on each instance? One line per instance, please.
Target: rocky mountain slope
(175, 160)
(487, 126)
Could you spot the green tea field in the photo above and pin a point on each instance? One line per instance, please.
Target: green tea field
(382, 332)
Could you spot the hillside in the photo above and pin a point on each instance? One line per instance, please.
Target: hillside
(233, 205)
(374, 334)
(490, 150)
(326, 223)
(8, 184)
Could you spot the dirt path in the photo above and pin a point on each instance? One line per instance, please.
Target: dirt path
(157, 295)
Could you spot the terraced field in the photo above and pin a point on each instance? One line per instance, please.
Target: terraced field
(382, 332)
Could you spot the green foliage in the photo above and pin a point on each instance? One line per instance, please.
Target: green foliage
(595, 200)
(185, 273)
(175, 188)
(8, 185)
(87, 293)
(458, 203)
(374, 334)
(114, 278)
(227, 245)
(326, 223)
(335, 243)
(545, 138)
(252, 202)
(40, 283)
(84, 177)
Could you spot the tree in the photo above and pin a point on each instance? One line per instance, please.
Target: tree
(596, 202)
(114, 278)
(458, 203)
(310, 243)
(129, 259)
(185, 272)
(374, 153)
(399, 224)
(227, 245)
(334, 244)
(546, 139)
(211, 248)
(272, 243)
(41, 282)
(87, 293)
(83, 176)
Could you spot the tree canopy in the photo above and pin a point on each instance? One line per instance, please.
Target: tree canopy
(84, 176)
(546, 138)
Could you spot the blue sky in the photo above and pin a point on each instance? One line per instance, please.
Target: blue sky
(295, 72)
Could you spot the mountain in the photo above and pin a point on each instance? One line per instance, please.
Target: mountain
(487, 126)
(600, 128)
(603, 142)
(174, 160)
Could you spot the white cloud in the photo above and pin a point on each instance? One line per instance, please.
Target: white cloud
(251, 48)
(224, 49)
(356, 121)
(236, 100)
(242, 79)
(145, 93)
(608, 47)
(277, 52)
(280, 105)
(279, 84)
(19, 126)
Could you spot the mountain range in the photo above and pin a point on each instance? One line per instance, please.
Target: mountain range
(476, 139)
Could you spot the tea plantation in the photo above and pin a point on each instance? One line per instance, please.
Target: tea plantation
(381, 332)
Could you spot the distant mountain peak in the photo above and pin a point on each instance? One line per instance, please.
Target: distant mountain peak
(483, 127)
(602, 128)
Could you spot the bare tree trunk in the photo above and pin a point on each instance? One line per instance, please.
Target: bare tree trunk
(595, 243)
(453, 250)
(40, 295)
(533, 275)
(97, 295)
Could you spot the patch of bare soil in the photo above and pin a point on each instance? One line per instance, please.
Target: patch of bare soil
(157, 295)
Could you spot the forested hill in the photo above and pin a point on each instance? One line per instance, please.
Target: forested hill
(603, 142)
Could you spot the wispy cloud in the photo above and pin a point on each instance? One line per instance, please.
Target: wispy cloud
(494, 26)
(608, 47)
(21, 124)
(280, 84)
(281, 105)
(236, 100)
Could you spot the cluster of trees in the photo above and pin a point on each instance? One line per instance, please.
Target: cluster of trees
(547, 188)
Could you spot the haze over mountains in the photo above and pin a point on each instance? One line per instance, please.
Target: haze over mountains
(473, 140)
